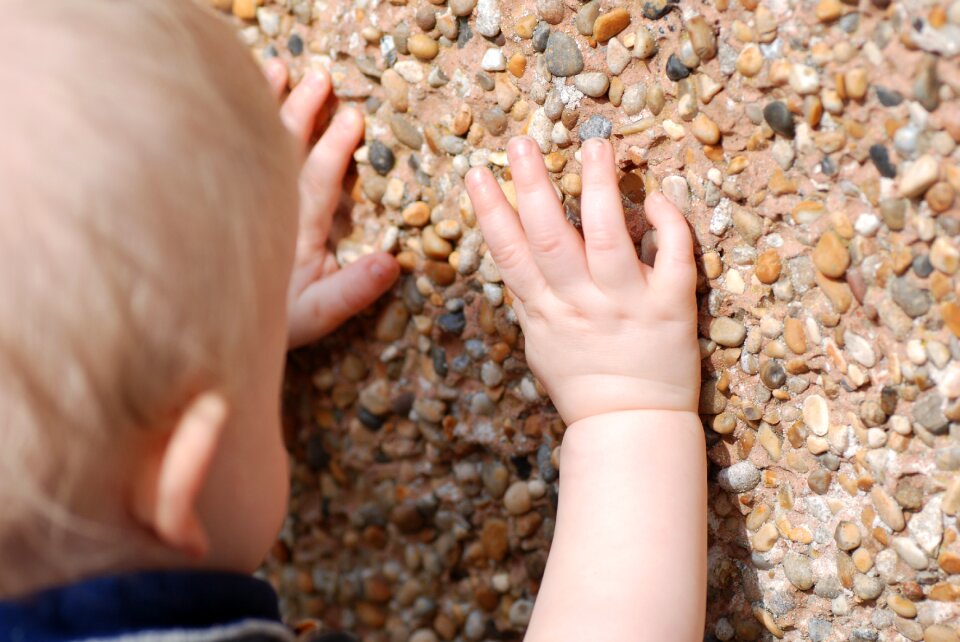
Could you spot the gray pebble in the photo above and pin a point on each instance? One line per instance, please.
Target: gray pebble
(596, 127)
(739, 478)
(563, 55)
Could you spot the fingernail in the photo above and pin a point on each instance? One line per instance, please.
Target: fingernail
(314, 80)
(350, 116)
(593, 148)
(522, 146)
(381, 269)
(475, 176)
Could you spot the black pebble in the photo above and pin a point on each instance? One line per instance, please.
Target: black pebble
(452, 322)
(540, 36)
(888, 97)
(439, 357)
(317, 457)
(523, 466)
(381, 157)
(676, 70)
(656, 9)
(922, 266)
(295, 44)
(270, 52)
(881, 159)
(780, 119)
(369, 419)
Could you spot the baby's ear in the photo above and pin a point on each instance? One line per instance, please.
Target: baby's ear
(167, 488)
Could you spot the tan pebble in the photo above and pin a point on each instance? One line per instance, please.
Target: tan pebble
(862, 560)
(855, 82)
(571, 184)
(423, 46)
(524, 26)
(770, 441)
(712, 265)
(221, 5)
(940, 633)
(766, 538)
(830, 255)
(750, 61)
(656, 99)
(555, 162)
(944, 255)
(463, 120)
(779, 72)
(433, 245)
(847, 536)
(901, 606)
(940, 196)
(768, 266)
(702, 37)
(765, 617)
(742, 31)
(448, 229)
(615, 93)
(396, 90)
(737, 165)
(828, 10)
(246, 9)
(724, 423)
(779, 184)
(517, 64)
(837, 291)
(610, 24)
(887, 509)
(705, 130)
(644, 45)
(919, 177)
(758, 516)
(417, 214)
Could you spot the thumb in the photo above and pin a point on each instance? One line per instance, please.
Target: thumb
(327, 303)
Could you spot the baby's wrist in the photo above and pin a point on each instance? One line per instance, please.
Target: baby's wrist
(599, 439)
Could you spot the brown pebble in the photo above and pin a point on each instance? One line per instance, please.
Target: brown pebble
(423, 46)
(610, 24)
(517, 64)
(940, 196)
(768, 266)
(246, 9)
(830, 255)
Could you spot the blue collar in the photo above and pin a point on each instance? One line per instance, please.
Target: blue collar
(112, 606)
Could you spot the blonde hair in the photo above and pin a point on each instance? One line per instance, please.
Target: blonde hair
(145, 183)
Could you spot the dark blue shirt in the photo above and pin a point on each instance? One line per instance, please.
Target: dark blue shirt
(181, 606)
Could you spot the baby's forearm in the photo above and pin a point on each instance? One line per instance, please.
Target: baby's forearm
(628, 560)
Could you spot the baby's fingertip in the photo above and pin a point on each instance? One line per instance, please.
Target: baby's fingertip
(476, 176)
(384, 268)
(521, 146)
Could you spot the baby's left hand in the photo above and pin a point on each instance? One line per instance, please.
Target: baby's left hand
(322, 296)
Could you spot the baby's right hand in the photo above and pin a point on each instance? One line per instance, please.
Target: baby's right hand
(604, 332)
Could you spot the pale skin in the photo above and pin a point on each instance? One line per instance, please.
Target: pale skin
(628, 557)
(224, 459)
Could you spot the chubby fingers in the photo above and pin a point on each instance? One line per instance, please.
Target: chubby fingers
(277, 76)
(503, 234)
(321, 181)
(611, 256)
(300, 109)
(674, 263)
(555, 245)
(328, 302)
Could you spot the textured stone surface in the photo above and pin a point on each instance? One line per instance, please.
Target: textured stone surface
(426, 455)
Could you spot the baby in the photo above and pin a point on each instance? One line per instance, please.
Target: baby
(163, 243)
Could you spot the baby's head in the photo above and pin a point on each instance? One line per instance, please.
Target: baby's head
(148, 196)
